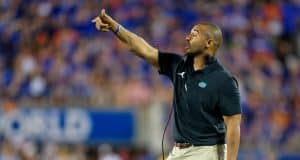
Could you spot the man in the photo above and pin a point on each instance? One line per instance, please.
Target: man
(206, 97)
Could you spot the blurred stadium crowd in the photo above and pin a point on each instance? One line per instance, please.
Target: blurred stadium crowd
(51, 54)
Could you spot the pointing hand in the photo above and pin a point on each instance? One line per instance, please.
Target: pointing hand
(104, 22)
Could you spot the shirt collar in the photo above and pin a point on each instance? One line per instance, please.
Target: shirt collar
(211, 62)
(212, 65)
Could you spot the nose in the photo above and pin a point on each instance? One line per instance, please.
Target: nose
(188, 38)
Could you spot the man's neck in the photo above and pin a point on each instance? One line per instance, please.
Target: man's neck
(199, 62)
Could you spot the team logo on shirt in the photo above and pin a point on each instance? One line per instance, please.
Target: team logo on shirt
(181, 74)
(202, 84)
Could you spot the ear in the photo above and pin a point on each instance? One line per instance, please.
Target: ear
(209, 43)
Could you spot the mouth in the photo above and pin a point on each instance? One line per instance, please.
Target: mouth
(187, 47)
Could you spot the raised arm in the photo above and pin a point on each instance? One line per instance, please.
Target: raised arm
(134, 43)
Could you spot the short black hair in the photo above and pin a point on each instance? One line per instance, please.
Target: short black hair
(214, 32)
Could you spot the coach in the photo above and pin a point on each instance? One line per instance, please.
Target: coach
(206, 99)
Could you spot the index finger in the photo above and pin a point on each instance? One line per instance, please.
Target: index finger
(102, 12)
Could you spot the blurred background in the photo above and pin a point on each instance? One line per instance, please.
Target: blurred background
(68, 92)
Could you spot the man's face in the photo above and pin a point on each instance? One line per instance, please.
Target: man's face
(195, 41)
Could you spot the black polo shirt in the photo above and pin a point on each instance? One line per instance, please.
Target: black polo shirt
(200, 99)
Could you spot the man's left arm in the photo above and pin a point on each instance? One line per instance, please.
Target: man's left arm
(230, 107)
(232, 135)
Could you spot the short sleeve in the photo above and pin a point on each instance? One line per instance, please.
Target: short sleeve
(167, 63)
(230, 98)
